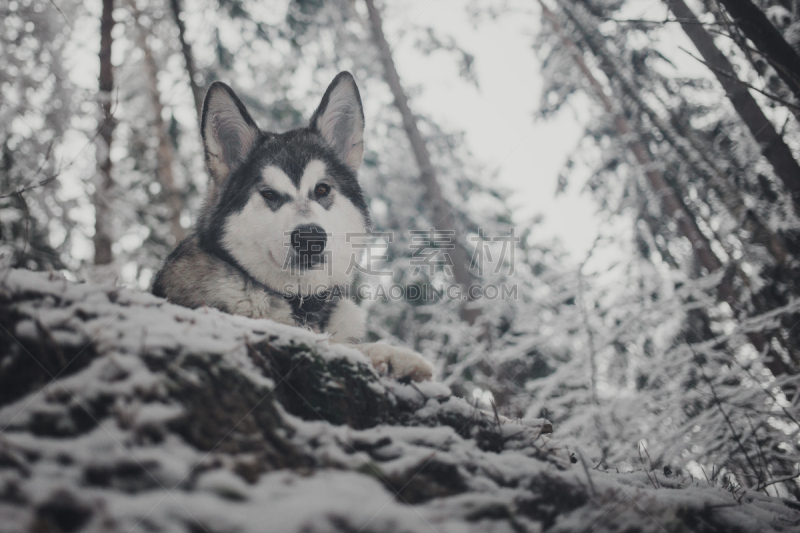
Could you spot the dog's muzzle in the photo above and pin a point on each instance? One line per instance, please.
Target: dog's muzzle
(308, 244)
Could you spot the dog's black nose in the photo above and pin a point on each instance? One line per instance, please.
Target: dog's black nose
(309, 240)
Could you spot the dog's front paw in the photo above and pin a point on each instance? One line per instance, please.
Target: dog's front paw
(254, 305)
(260, 305)
(399, 363)
(243, 308)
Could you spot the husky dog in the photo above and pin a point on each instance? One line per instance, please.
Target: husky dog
(272, 238)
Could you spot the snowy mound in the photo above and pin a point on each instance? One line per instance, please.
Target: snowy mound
(121, 412)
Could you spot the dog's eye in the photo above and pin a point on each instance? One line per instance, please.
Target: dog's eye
(322, 190)
(269, 195)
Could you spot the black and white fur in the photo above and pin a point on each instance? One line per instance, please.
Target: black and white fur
(264, 186)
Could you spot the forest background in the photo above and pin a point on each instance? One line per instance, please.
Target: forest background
(644, 153)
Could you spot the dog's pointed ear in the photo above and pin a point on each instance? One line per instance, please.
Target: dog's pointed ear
(339, 119)
(228, 131)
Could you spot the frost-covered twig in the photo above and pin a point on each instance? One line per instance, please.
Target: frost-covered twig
(654, 482)
(775, 97)
(41, 183)
(724, 414)
(766, 484)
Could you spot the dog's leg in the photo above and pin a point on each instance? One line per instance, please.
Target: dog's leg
(347, 325)
(396, 362)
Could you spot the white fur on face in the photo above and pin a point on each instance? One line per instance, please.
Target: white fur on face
(277, 179)
(259, 239)
(314, 173)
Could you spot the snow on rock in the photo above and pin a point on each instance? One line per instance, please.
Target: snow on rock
(121, 412)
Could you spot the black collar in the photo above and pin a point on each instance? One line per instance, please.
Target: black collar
(311, 310)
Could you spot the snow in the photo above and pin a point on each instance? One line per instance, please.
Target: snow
(136, 464)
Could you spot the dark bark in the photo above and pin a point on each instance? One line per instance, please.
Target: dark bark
(684, 141)
(441, 211)
(103, 186)
(188, 57)
(772, 144)
(779, 277)
(770, 42)
(670, 203)
(759, 62)
(165, 154)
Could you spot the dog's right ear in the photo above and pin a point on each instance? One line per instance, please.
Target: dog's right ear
(339, 119)
(228, 131)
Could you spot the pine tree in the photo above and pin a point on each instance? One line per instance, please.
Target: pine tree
(36, 102)
(686, 346)
(103, 232)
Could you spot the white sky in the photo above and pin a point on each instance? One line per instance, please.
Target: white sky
(498, 117)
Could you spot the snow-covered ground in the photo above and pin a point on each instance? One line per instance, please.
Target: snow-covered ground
(121, 412)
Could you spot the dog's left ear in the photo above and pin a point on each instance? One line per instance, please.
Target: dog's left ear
(228, 131)
(339, 119)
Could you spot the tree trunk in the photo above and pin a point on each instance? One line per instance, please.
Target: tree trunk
(441, 211)
(166, 155)
(772, 144)
(686, 144)
(670, 203)
(770, 42)
(188, 57)
(104, 183)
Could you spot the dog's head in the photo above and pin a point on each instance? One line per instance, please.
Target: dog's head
(285, 206)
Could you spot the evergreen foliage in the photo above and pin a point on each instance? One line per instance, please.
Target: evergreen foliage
(652, 341)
